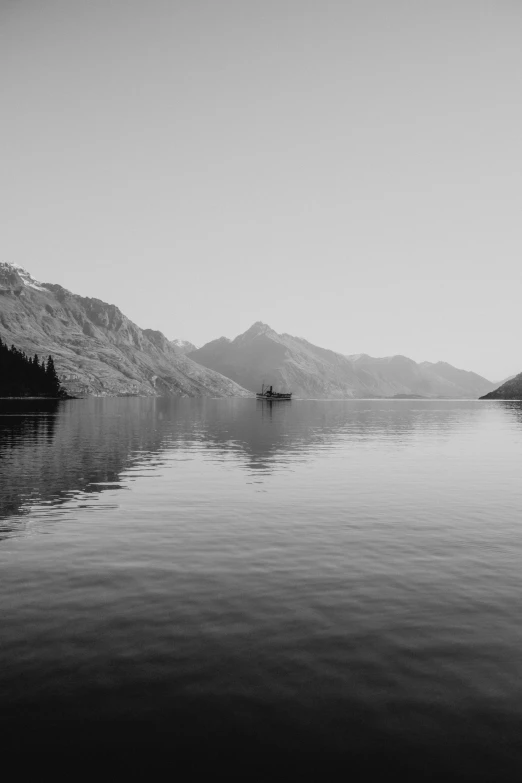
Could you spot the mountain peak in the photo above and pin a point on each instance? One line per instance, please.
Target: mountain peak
(15, 274)
(260, 355)
(96, 348)
(183, 346)
(257, 329)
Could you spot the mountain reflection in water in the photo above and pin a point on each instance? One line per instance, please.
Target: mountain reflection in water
(51, 450)
(326, 578)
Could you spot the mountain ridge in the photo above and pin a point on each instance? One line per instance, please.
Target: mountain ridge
(261, 355)
(97, 349)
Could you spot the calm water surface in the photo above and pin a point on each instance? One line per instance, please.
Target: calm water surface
(326, 579)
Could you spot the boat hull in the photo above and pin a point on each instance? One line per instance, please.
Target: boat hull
(274, 397)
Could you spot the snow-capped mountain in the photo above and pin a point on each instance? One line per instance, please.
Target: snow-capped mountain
(14, 271)
(97, 349)
(183, 346)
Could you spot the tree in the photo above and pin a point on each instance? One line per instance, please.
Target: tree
(23, 376)
(52, 380)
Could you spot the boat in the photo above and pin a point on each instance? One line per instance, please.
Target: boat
(270, 395)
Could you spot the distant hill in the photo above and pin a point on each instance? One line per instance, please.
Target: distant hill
(260, 355)
(504, 380)
(96, 348)
(510, 390)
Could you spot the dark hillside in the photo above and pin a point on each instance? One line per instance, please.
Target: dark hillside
(511, 390)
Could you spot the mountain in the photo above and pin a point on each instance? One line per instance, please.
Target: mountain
(510, 390)
(96, 348)
(183, 346)
(260, 355)
(428, 379)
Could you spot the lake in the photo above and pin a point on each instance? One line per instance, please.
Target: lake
(310, 580)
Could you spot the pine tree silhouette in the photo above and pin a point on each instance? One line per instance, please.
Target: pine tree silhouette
(52, 381)
(21, 376)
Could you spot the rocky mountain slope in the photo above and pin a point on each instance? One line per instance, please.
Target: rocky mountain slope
(260, 355)
(97, 349)
(510, 390)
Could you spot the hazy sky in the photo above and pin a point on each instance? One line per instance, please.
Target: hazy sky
(350, 172)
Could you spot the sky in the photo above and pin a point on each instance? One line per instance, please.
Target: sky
(348, 172)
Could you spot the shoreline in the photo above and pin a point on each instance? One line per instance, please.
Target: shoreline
(39, 398)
